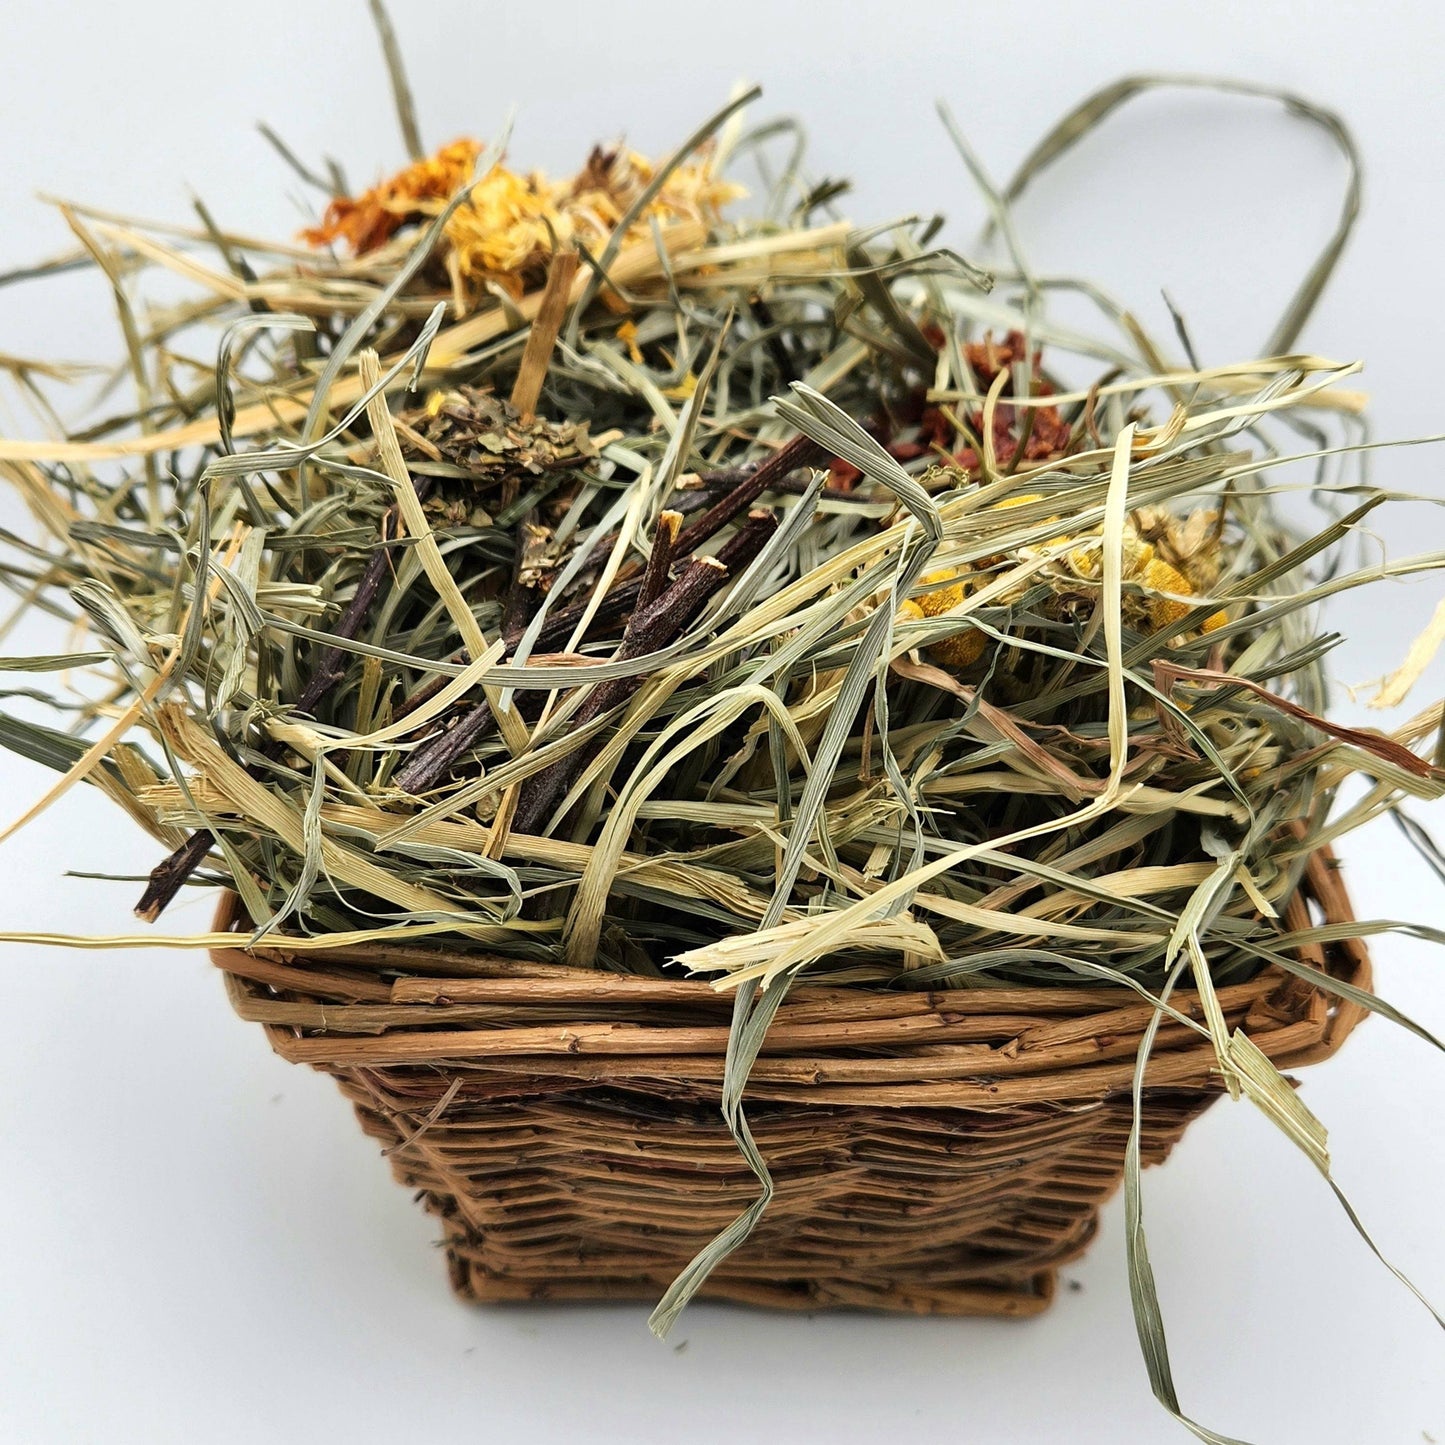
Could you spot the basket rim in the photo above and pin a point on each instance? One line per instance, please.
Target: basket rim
(532, 1023)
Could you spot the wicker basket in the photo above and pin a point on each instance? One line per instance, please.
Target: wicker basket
(933, 1152)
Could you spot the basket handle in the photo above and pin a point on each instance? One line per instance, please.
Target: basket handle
(1091, 111)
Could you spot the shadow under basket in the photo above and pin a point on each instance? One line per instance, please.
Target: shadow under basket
(934, 1153)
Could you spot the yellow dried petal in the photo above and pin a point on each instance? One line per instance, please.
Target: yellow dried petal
(368, 220)
(1085, 561)
(961, 650)
(512, 223)
(627, 334)
(941, 599)
(507, 221)
(911, 612)
(1161, 577)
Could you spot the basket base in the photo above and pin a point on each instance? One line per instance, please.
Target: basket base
(1007, 1198)
(999, 1301)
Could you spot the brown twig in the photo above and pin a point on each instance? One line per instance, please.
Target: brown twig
(524, 596)
(560, 624)
(543, 336)
(694, 489)
(746, 484)
(659, 561)
(776, 344)
(648, 629)
(171, 874)
(623, 598)
(330, 661)
(799, 452)
(694, 495)
(744, 545)
(431, 762)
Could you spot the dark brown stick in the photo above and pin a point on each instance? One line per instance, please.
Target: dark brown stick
(431, 762)
(522, 602)
(777, 346)
(734, 554)
(623, 598)
(701, 489)
(711, 485)
(331, 661)
(170, 875)
(747, 483)
(524, 596)
(799, 452)
(659, 561)
(426, 691)
(693, 499)
(648, 630)
(660, 622)
(744, 545)
(558, 626)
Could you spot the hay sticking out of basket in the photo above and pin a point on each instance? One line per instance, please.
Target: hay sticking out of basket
(585, 572)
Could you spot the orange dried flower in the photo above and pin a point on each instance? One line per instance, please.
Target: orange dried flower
(370, 219)
(510, 227)
(510, 224)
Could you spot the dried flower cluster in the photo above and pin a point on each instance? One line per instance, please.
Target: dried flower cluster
(511, 224)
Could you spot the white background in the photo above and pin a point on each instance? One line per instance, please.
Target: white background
(197, 1244)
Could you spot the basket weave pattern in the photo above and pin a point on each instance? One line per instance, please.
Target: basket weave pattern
(933, 1152)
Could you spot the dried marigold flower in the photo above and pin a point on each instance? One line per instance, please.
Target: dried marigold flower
(963, 649)
(370, 219)
(510, 224)
(1159, 576)
(939, 600)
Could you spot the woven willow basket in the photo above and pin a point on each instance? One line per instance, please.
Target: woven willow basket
(935, 1153)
